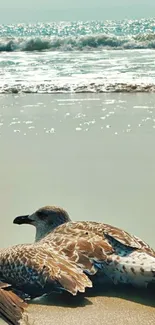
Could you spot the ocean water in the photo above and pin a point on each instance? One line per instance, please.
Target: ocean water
(78, 57)
(92, 154)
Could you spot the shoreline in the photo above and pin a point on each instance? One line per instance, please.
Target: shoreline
(98, 87)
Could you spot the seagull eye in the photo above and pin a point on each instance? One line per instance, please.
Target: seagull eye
(41, 215)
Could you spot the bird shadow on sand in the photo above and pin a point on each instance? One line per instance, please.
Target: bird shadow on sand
(63, 300)
(140, 296)
(126, 292)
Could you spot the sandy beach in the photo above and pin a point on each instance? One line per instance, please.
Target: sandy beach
(110, 308)
(92, 154)
(114, 306)
(97, 310)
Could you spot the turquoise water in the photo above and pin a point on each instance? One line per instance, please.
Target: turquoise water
(78, 35)
(91, 56)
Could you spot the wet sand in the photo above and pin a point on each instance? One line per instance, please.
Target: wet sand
(91, 154)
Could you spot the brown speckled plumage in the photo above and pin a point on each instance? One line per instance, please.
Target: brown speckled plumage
(36, 270)
(98, 249)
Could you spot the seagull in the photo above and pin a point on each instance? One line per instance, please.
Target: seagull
(34, 270)
(102, 251)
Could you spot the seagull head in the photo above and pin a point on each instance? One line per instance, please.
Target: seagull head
(44, 219)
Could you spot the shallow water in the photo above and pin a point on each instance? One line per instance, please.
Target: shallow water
(91, 154)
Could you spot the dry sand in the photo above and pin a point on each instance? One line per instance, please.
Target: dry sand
(105, 310)
(115, 307)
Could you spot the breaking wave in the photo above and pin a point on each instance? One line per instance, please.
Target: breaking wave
(71, 43)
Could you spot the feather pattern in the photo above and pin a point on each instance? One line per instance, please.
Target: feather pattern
(38, 270)
(100, 250)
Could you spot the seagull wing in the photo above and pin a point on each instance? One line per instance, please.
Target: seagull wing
(23, 265)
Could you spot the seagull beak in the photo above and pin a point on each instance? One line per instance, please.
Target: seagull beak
(22, 219)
